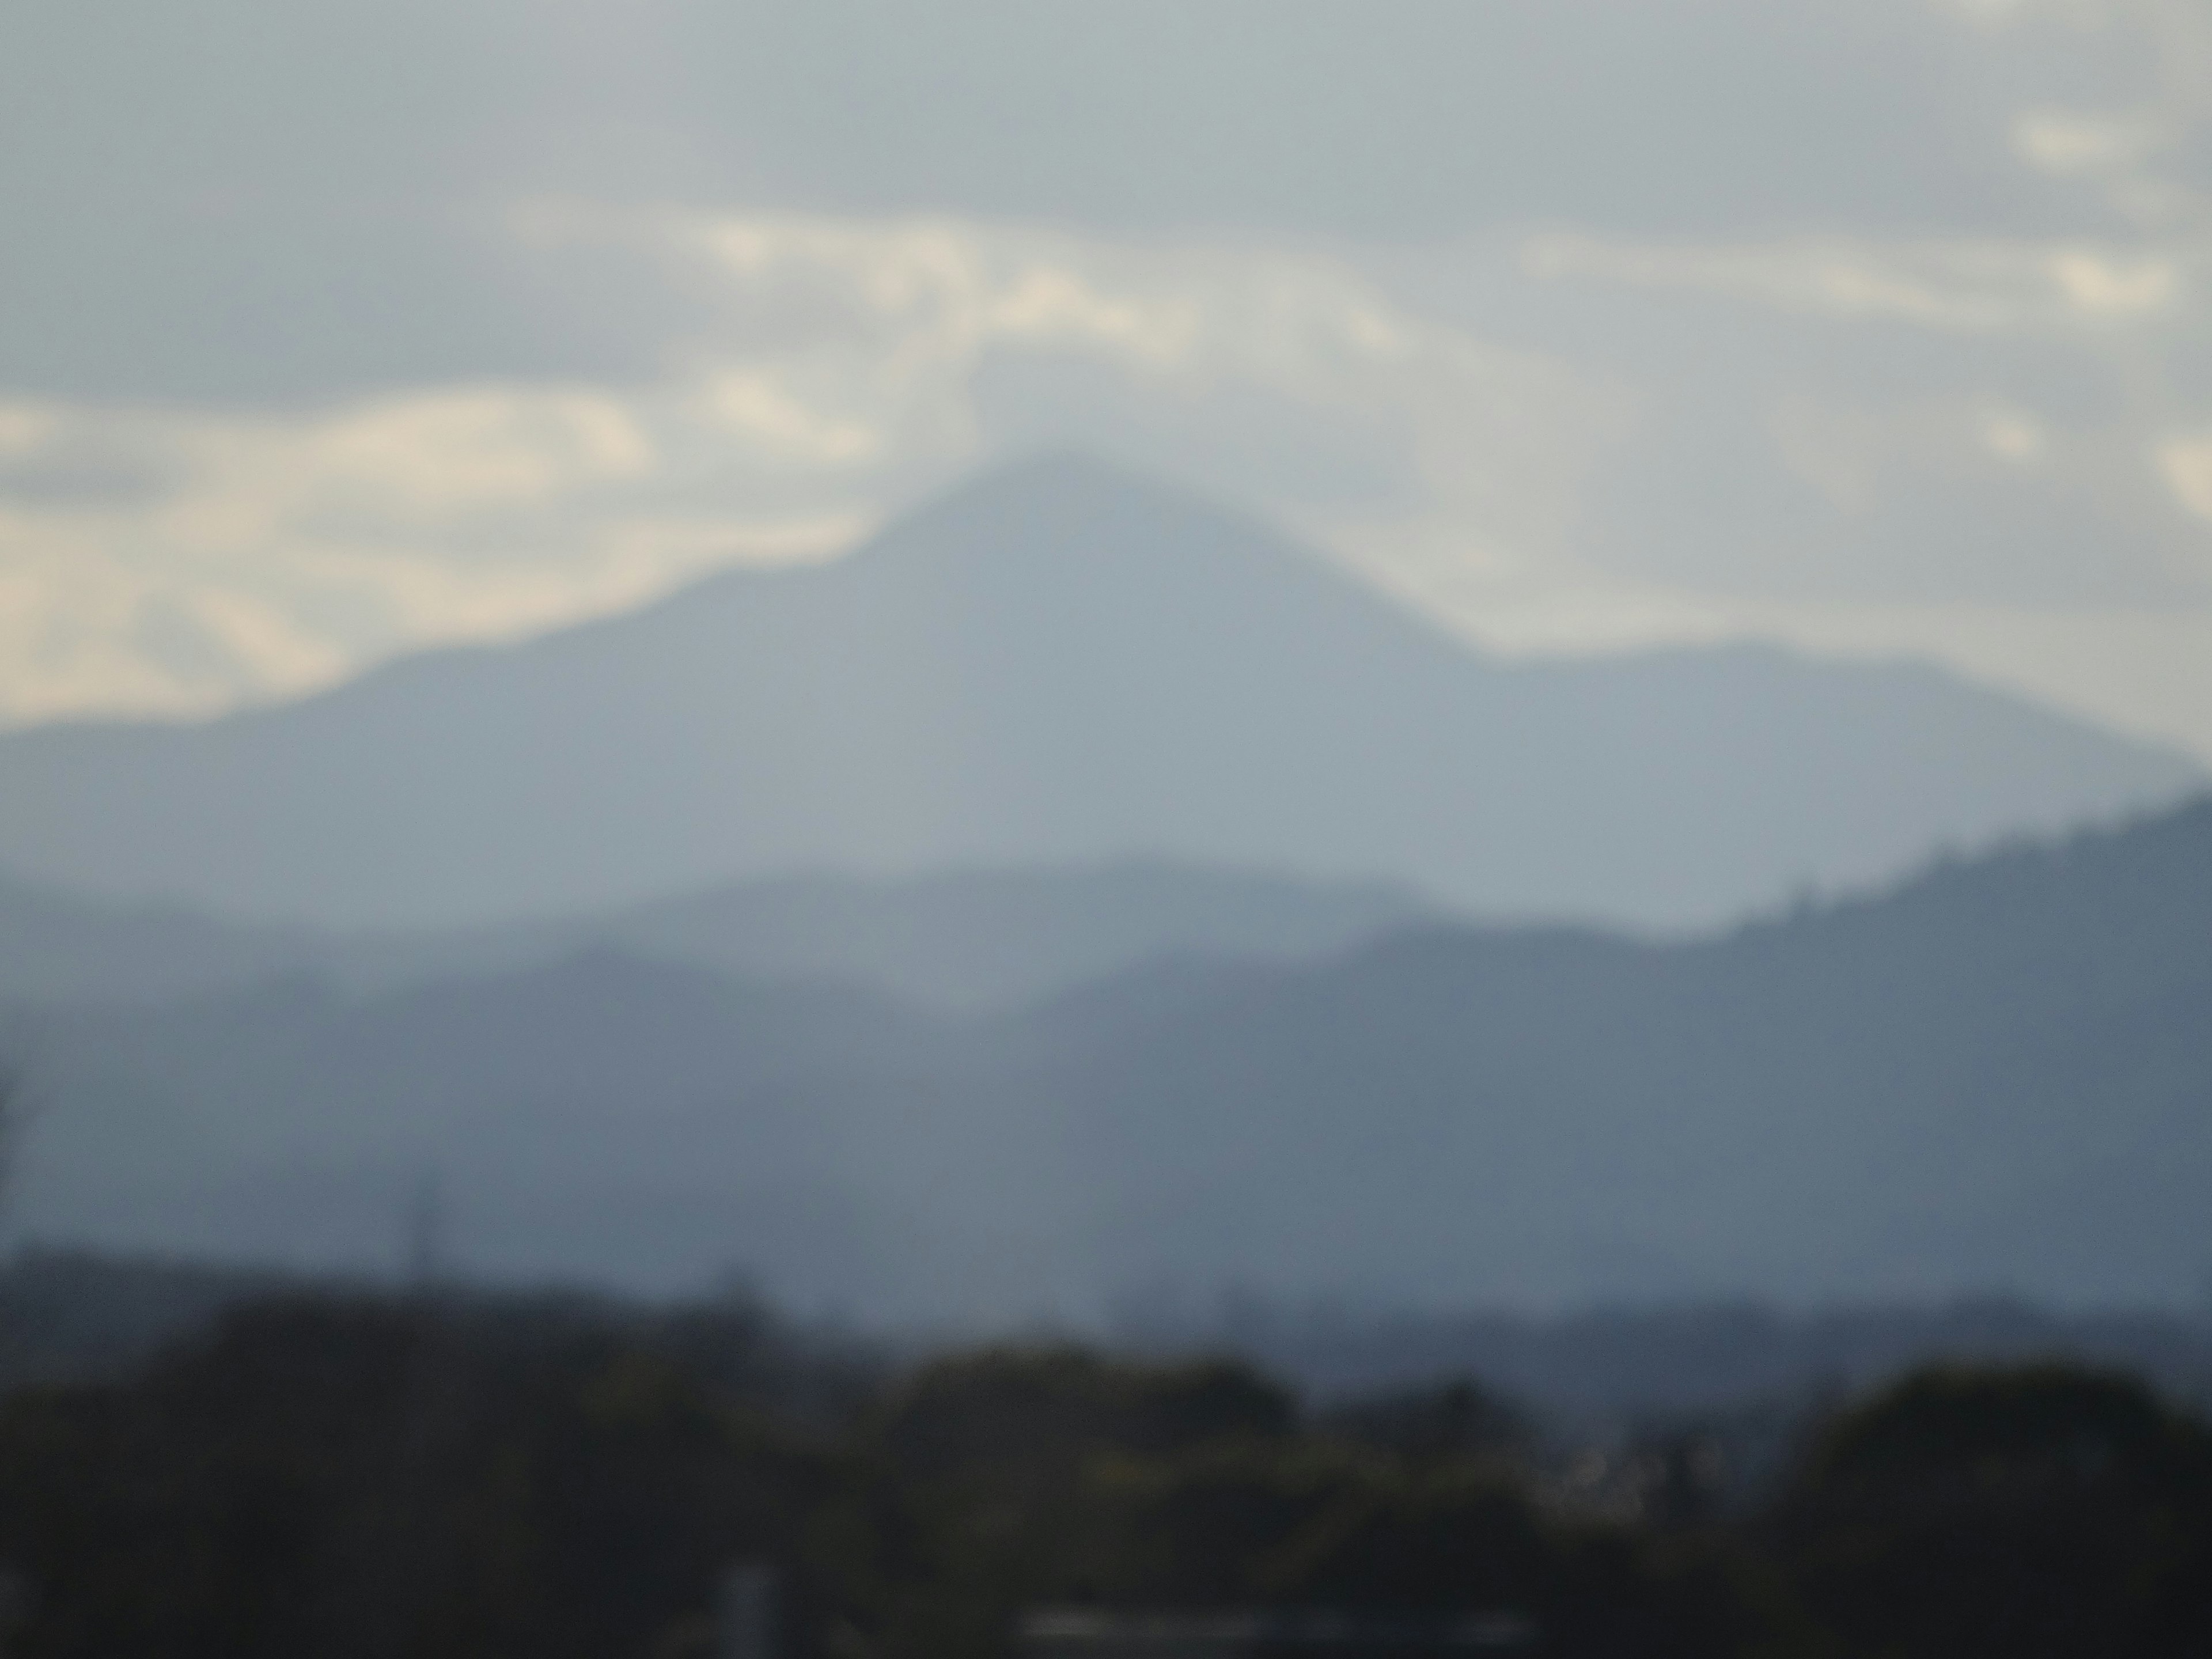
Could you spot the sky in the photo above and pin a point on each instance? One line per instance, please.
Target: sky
(1876, 326)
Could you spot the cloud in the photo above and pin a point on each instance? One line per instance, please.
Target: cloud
(2184, 461)
(1867, 421)
(2134, 132)
(1952, 285)
(260, 200)
(842, 365)
(279, 553)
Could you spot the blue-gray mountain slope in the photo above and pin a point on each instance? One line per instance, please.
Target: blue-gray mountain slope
(1058, 664)
(1998, 1076)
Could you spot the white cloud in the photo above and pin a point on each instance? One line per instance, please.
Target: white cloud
(432, 455)
(273, 555)
(2073, 144)
(2136, 137)
(756, 409)
(2185, 464)
(1967, 287)
(2013, 435)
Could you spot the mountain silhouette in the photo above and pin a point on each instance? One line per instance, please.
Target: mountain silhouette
(1998, 1076)
(1060, 663)
(952, 939)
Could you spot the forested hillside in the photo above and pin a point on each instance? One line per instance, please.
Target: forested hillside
(1995, 1077)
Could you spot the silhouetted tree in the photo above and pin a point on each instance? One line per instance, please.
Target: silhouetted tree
(2037, 1511)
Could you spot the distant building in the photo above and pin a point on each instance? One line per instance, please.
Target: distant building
(1269, 1633)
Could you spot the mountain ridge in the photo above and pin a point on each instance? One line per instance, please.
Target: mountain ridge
(1059, 664)
(1995, 1078)
(955, 939)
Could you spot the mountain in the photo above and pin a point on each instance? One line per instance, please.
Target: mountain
(1058, 664)
(960, 938)
(59, 947)
(1998, 1076)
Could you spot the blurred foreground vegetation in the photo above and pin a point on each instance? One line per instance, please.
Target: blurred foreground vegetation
(319, 1474)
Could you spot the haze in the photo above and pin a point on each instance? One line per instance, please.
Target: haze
(1162, 829)
(971, 657)
(1873, 327)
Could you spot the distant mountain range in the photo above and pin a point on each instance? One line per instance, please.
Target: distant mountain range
(958, 940)
(1060, 663)
(1998, 1076)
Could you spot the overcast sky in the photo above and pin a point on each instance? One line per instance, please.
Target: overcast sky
(1875, 325)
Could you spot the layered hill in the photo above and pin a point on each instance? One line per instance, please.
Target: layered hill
(1058, 664)
(959, 938)
(1998, 1076)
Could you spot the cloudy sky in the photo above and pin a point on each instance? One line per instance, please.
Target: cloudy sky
(1877, 326)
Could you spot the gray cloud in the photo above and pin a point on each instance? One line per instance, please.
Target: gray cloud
(81, 468)
(1412, 118)
(258, 198)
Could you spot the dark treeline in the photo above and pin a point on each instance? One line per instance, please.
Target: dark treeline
(319, 1473)
(1610, 1364)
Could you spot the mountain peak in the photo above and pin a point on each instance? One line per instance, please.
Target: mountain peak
(1063, 507)
(1055, 481)
(1061, 663)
